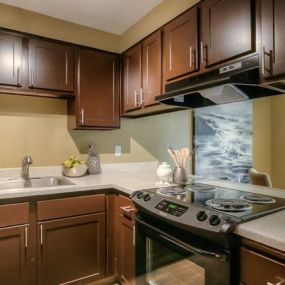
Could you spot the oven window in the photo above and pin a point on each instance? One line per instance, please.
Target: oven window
(165, 266)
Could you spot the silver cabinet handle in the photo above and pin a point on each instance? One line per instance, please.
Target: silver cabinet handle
(127, 208)
(136, 98)
(18, 77)
(127, 212)
(26, 237)
(280, 282)
(190, 56)
(202, 52)
(32, 78)
(41, 235)
(82, 116)
(263, 67)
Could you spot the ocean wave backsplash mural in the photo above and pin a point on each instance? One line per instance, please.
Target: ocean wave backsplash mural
(223, 141)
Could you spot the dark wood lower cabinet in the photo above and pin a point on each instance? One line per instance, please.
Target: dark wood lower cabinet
(127, 252)
(71, 250)
(126, 241)
(257, 268)
(14, 255)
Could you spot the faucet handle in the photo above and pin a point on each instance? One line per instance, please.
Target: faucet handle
(27, 159)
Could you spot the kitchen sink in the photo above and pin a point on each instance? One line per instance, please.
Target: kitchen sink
(34, 182)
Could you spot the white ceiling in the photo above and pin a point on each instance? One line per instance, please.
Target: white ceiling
(114, 16)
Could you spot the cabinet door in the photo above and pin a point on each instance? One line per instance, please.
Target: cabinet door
(273, 44)
(151, 68)
(10, 59)
(226, 30)
(258, 269)
(132, 78)
(51, 66)
(14, 255)
(180, 48)
(71, 250)
(126, 240)
(126, 251)
(98, 89)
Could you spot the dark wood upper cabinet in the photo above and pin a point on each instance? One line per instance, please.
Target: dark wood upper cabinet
(132, 78)
(10, 59)
(72, 250)
(14, 262)
(151, 66)
(226, 30)
(273, 43)
(180, 45)
(51, 66)
(142, 73)
(98, 99)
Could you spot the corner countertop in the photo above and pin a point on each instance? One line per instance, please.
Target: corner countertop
(130, 177)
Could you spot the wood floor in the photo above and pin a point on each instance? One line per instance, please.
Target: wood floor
(107, 281)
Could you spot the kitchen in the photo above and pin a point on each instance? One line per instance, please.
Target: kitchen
(40, 124)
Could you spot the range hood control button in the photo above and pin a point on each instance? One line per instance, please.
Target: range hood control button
(201, 216)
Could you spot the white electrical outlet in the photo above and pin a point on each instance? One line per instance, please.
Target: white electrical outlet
(118, 150)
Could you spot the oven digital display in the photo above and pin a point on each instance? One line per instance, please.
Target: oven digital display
(171, 208)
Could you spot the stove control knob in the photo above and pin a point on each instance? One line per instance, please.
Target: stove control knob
(201, 216)
(140, 195)
(146, 197)
(214, 220)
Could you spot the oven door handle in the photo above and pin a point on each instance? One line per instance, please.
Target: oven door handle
(192, 248)
(182, 244)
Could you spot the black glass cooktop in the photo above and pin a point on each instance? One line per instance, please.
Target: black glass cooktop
(237, 203)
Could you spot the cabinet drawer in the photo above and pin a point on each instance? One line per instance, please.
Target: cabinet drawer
(126, 207)
(257, 268)
(67, 207)
(14, 214)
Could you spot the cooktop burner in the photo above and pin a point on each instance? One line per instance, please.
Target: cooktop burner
(258, 199)
(172, 190)
(200, 187)
(229, 205)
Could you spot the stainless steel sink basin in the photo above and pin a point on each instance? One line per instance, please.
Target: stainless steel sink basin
(34, 182)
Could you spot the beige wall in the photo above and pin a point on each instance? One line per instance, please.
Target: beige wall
(278, 141)
(269, 138)
(37, 126)
(262, 135)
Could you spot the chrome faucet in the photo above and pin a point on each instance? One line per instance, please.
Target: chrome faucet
(26, 162)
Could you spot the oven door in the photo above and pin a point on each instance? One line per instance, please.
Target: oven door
(164, 258)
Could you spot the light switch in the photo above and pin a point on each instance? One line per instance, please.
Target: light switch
(118, 150)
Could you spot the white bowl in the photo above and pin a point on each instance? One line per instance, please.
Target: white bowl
(76, 171)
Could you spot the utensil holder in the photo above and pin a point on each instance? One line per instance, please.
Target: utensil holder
(179, 176)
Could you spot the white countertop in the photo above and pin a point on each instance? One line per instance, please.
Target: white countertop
(129, 177)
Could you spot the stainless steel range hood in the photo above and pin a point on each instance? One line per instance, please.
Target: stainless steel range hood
(231, 83)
